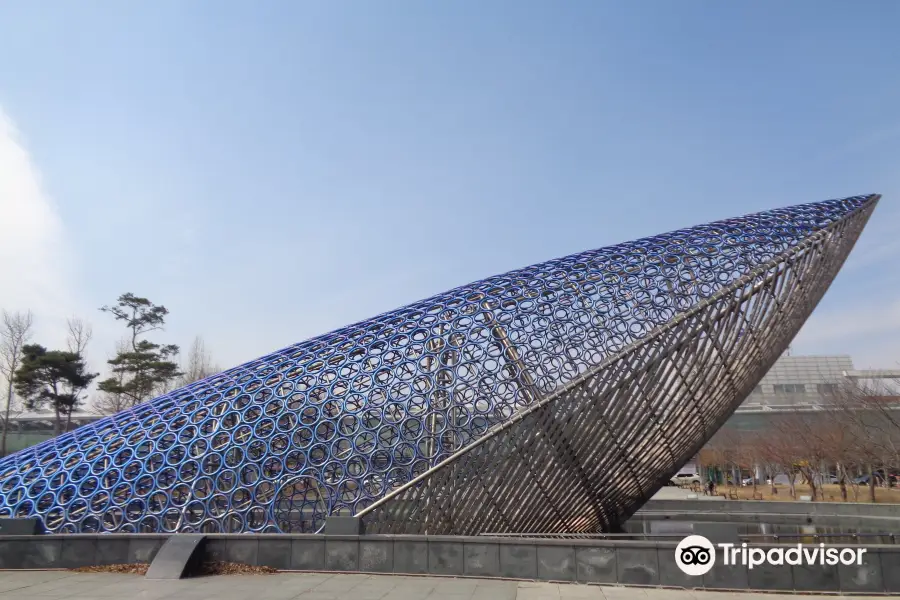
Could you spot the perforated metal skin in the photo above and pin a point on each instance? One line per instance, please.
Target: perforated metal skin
(554, 398)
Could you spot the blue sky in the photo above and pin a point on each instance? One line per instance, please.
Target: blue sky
(271, 171)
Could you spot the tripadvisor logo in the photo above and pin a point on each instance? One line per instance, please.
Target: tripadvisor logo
(695, 555)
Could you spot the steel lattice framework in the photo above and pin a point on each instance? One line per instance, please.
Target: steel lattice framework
(556, 398)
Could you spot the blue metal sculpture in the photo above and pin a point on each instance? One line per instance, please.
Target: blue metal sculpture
(419, 419)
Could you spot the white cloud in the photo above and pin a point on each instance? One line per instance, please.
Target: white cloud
(35, 260)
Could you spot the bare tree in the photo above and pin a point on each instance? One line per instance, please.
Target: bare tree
(712, 457)
(880, 399)
(882, 421)
(80, 334)
(751, 456)
(768, 455)
(786, 449)
(838, 435)
(870, 410)
(15, 333)
(733, 444)
(724, 450)
(810, 448)
(109, 403)
(199, 363)
(866, 424)
(856, 431)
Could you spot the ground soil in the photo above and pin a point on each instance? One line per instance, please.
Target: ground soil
(226, 568)
(211, 568)
(136, 569)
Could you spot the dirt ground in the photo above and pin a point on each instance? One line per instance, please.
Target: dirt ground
(210, 568)
(829, 493)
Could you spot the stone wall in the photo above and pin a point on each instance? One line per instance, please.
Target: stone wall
(585, 561)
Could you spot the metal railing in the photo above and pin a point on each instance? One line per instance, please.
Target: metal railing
(748, 537)
(583, 536)
(893, 537)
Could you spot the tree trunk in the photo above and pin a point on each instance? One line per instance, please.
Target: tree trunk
(57, 422)
(842, 481)
(812, 487)
(871, 484)
(9, 401)
(68, 420)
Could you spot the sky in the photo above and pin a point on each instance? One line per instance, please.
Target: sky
(271, 171)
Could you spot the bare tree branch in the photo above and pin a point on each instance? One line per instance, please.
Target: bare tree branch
(80, 334)
(109, 403)
(15, 333)
(199, 363)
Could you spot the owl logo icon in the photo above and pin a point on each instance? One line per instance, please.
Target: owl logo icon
(695, 555)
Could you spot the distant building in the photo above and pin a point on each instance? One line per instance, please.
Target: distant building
(798, 381)
(805, 383)
(29, 428)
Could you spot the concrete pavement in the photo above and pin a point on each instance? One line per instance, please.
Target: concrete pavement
(326, 586)
(675, 493)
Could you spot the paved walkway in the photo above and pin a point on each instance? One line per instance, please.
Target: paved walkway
(324, 586)
(675, 493)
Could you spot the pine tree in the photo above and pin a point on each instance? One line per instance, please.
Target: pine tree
(52, 377)
(143, 368)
